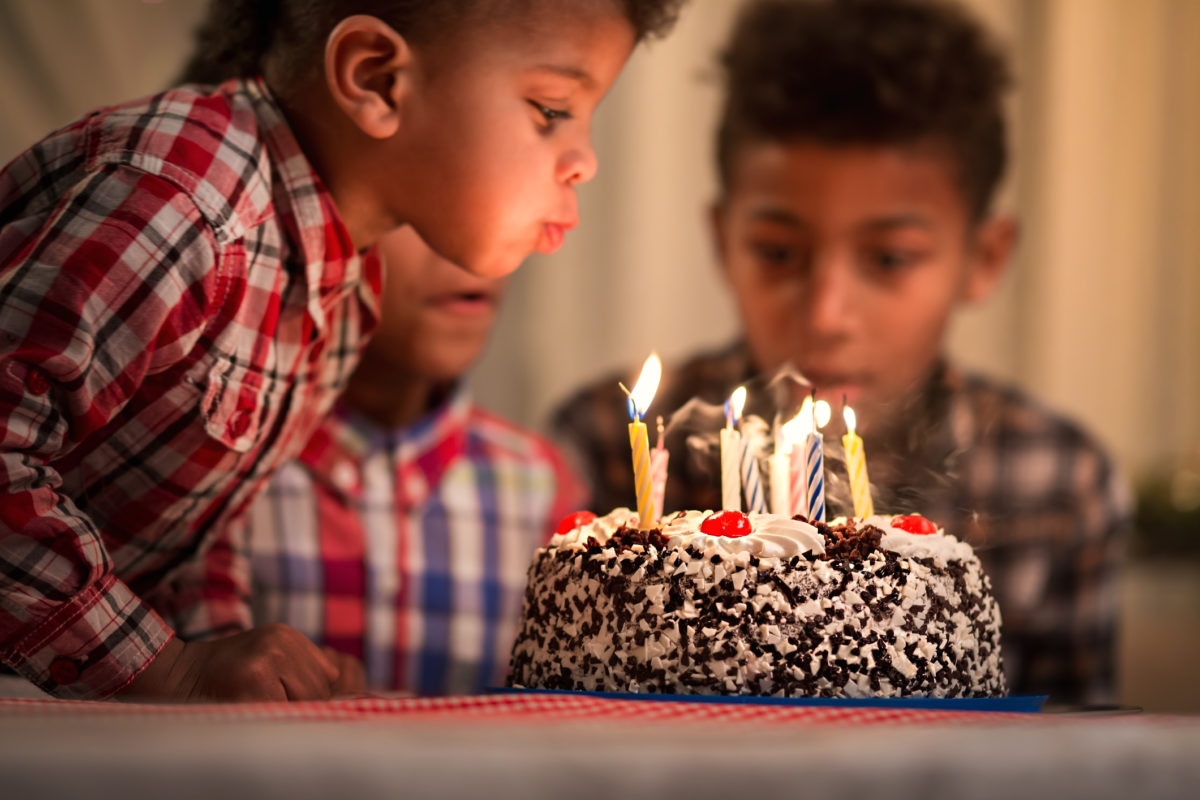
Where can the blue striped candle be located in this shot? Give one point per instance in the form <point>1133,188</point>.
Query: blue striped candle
<point>756,499</point>
<point>814,470</point>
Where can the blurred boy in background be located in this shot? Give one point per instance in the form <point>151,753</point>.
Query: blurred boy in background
<point>859,151</point>
<point>402,534</point>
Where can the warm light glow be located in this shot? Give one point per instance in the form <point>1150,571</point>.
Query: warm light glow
<point>737,401</point>
<point>647,384</point>
<point>851,420</point>
<point>799,426</point>
<point>823,413</point>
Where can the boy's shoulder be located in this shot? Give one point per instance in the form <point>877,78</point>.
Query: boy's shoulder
<point>1005,431</point>
<point>208,143</point>
<point>1002,409</point>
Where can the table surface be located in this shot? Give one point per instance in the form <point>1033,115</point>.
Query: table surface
<point>578,746</point>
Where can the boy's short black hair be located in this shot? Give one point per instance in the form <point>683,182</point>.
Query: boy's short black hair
<point>236,36</point>
<point>868,72</point>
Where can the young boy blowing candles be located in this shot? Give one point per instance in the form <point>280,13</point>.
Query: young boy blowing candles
<point>859,149</point>
<point>402,534</point>
<point>182,297</point>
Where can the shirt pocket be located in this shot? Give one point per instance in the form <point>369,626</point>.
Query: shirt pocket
<point>241,404</point>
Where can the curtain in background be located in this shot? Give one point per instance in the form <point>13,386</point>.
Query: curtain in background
<point>1097,316</point>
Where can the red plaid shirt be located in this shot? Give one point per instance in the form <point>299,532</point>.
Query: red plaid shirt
<point>180,304</point>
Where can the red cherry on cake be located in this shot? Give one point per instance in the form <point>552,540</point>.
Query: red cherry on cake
<point>914,523</point>
<point>574,520</point>
<point>726,523</point>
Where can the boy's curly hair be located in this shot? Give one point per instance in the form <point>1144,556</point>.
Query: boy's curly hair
<point>236,36</point>
<point>868,72</point>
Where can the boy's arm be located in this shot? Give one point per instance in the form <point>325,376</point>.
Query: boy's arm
<point>209,596</point>
<point>114,285</point>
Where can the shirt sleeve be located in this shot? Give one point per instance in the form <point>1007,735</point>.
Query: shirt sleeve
<point>209,596</point>
<point>113,285</point>
<point>591,430</point>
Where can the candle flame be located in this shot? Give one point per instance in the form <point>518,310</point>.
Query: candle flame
<point>647,384</point>
<point>737,401</point>
<point>851,420</point>
<point>823,413</point>
<point>798,427</point>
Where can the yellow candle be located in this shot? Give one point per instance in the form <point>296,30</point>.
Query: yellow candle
<point>856,466</point>
<point>639,442</point>
<point>640,445</point>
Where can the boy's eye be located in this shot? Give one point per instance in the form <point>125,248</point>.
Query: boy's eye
<point>550,116</point>
<point>886,260</point>
<point>775,256</point>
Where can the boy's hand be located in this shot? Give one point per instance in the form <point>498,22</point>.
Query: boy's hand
<point>351,677</point>
<point>273,662</point>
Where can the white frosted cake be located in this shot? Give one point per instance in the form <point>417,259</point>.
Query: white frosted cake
<point>759,605</point>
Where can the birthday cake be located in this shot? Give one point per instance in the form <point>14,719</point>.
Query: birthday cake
<point>757,604</point>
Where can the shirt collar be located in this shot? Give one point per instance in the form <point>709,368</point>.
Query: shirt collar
<point>325,254</point>
<point>419,453</point>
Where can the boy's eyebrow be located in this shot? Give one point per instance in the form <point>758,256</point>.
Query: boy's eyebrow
<point>778,215</point>
<point>572,73</point>
<point>898,221</point>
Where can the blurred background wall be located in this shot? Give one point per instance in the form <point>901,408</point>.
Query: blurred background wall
<point>1098,315</point>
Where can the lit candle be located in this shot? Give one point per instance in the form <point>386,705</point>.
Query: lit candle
<point>795,434</point>
<point>814,470</point>
<point>731,453</point>
<point>780,476</point>
<point>639,400</point>
<point>856,466</point>
<point>756,498</point>
<point>658,472</point>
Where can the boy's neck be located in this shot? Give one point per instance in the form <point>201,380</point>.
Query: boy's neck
<point>337,150</point>
<point>394,404</point>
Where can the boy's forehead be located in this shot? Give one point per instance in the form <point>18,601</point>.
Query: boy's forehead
<point>788,179</point>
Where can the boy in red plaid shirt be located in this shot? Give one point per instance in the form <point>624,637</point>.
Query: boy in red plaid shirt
<point>183,295</point>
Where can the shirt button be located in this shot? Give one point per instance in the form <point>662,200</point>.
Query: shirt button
<point>345,476</point>
<point>64,671</point>
<point>239,423</point>
<point>37,382</point>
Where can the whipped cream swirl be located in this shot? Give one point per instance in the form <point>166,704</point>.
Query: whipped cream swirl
<point>770,535</point>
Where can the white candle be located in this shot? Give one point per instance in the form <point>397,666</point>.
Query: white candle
<point>781,480</point>
<point>731,453</point>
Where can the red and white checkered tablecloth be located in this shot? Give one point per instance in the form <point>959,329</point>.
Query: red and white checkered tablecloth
<point>532,708</point>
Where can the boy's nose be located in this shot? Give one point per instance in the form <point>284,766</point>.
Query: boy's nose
<point>578,165</point>
<point>830,298</point>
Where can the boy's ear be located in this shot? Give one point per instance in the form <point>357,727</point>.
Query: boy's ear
<point>366,66</point>
<point>995,239</point>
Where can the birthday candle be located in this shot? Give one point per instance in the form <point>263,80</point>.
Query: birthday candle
<point>756,500</point>
<point>814,471</point>
<point>731,453</point>
<point>780,476</point>
<point>639,399</point>
<point>795,434</point>
<point>659,457</point>
<point>856,467</point>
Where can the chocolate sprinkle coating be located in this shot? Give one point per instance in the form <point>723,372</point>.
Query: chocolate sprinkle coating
<point>638,614</point>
